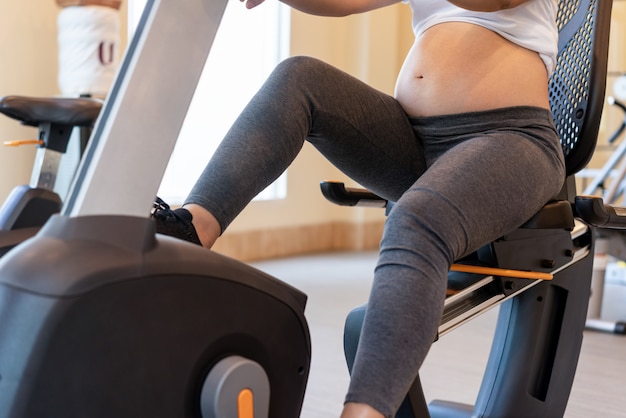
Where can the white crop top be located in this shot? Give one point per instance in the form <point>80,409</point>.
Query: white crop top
<point>531,25</point>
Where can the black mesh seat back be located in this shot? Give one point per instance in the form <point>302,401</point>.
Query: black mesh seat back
<point>578,84</point>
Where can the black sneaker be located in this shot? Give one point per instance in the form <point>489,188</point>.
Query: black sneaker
<point>175,223</point>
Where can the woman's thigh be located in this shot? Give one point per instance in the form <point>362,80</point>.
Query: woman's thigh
<point>362,131</point>
<point>482,189</point>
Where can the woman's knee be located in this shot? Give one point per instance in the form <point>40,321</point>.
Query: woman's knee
<point>299,65</point>
<point>307,74</point>
<point>299,69</point>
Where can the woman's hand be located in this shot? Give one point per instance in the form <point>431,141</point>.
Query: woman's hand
<point>487,5</point>
<point>329,7</point>
<point>252,3</point>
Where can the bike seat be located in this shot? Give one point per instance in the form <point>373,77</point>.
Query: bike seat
<point>34,111</point>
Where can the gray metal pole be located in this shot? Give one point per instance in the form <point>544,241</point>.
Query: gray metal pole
<point>141,119</point>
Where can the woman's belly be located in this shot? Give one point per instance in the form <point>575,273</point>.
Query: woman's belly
<point>459,67</point>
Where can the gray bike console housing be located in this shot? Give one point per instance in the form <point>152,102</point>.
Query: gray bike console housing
<point>103,319</point>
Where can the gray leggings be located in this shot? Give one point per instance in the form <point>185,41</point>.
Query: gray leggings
<point>460,181</point>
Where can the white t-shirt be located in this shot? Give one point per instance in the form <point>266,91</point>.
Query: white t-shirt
<point>531,25</point>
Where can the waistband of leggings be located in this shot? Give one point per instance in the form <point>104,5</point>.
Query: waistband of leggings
<point>484,120</point>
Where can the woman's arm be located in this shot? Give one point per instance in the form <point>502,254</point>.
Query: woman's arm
<point>330,7</point>
<point>487,5</point>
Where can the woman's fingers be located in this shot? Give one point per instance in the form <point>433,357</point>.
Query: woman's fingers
<point>252,3</point>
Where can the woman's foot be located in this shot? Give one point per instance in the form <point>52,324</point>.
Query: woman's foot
<point>359,410</point>
<point>207,227</point>
<point>191,223</point>
<point>176,223</point>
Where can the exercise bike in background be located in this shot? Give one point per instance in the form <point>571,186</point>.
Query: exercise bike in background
<point>88,42</point>
<point>610,182</point>
<point>28,207</point>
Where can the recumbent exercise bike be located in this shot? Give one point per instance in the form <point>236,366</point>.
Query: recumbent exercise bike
<point>115,321</point>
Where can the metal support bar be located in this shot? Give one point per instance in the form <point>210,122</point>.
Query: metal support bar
<point>141,119</point>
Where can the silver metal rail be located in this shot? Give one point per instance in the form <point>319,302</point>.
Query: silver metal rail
<point>487,293</point>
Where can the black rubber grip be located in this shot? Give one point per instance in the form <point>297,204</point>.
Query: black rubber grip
<point>337,193</point>
<point>595,212</point>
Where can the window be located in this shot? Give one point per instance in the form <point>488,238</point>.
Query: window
<point>248,45</point>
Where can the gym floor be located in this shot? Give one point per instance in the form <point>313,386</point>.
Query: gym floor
<point>335,283</point>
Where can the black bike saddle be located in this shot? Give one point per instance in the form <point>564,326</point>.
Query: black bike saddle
<point>34,111</point>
